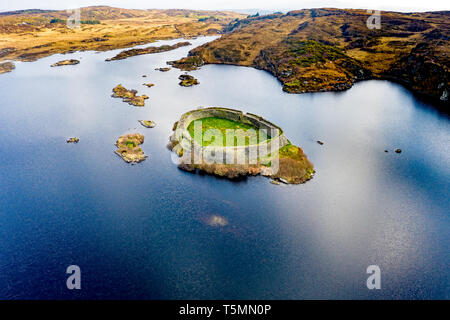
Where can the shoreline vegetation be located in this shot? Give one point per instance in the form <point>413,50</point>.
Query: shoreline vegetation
<point>316,50</point>
<point>149,50</point>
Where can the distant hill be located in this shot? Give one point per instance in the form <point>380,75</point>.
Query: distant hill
<point>28,11</point>
<point>329,49</point>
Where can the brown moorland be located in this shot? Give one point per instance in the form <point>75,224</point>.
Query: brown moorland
<point>329,49</point>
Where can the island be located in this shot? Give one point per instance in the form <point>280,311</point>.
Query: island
<point>128,148</point>
<point>148,123</point>
<point>163,69</point>
<point>187,80</point>
<point>136,52</point>
<point>129,96</point>
<point>69,62</point>
<point>149,85</point>
<point>6,67</point>
<point>232,144</point>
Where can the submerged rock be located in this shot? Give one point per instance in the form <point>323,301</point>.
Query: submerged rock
<point>128,148</point>
<point>129,96</point>
<point>66,63</point>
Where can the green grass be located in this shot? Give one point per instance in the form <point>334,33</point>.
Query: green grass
<point>243,136</point>
<point>130,144</point>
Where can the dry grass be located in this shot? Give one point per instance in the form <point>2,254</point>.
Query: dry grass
<point>28,37</point>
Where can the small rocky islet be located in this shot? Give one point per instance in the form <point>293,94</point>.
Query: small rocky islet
<point>163,69</point>
<point>129,96</point>
<point>187,80</point>
<point>148,123</point>
<point>65,63</point>
<point>128,148</point>
<point>73,140</point>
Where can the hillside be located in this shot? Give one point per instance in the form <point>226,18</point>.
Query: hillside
<point>329,49</point>
<point>28,35</point>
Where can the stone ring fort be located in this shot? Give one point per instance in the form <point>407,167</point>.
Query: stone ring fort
<point>261,149</point>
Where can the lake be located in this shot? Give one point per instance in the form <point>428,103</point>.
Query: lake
<point>140,231</point>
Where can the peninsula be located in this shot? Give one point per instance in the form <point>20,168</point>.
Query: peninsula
<point>149,50</point>
<point>315,50</point>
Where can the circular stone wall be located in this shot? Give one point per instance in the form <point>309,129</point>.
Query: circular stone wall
<point>183,142</point>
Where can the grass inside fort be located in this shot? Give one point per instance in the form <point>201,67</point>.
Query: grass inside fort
<point>224,132</point>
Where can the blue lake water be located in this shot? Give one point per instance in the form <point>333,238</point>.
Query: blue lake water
<point>139,231</point>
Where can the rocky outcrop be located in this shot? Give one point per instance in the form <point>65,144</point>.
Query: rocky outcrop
<point>129,96</point>
<point>128,148</point>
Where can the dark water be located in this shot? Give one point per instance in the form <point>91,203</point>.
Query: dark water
<point>139,231</point>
